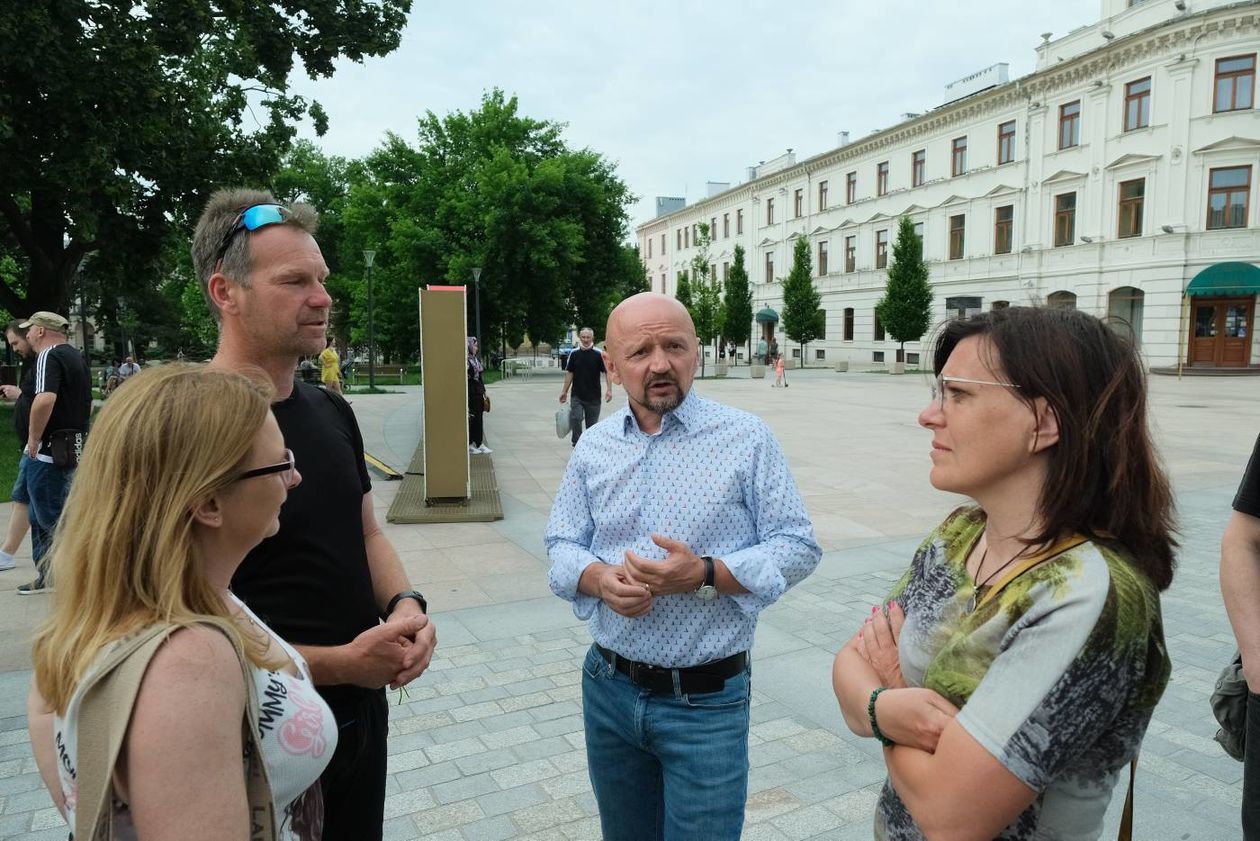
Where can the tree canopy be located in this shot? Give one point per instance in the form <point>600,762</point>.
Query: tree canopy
<point>737,302</point>
<point>802,318</point>
<point>118,119</point>
<point>906,307</point>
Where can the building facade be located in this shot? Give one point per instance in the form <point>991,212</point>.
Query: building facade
<point>1120,177</point>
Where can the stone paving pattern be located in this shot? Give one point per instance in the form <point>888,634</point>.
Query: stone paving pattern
<point>488,744</point>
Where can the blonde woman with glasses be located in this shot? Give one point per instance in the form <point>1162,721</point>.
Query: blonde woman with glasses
<point>1014,668</point>
<point>192,469</point>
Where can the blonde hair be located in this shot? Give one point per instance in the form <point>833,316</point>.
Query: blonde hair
<point>124,555</point>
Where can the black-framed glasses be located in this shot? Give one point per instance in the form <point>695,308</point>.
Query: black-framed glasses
<point>285,468</point>
<point>251,219</point>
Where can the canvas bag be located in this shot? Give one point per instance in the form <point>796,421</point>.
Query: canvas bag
<point>564,422</point>
<point>105,711</point>
<point>1229,706</point>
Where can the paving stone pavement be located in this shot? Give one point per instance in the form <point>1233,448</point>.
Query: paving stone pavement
<point>488,744</point>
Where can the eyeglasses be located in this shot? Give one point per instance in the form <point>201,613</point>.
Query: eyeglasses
<point>938,387</point>
<point>285,468</point>
<point>251,219</point>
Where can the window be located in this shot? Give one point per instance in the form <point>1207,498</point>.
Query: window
<point>1137,104</point>
<point>848,324</point>
<point>769,267</point>
<point>649,247</point>
<point>881,179</point>
<point>1070,125</point>
<point>1061,300</point>
<point>679,232</point>
<point>879,327</point>
<point>687,237</point>
<point>850,188</point>
<point>918,232</point>
<point>822,195</point>
<point>957,236</point>
<point>1132,197</point>
<point>822,258</point>
<point>662,284</point>
<point>662,245</point>
<point>918,168</point>
<point>822,326</point>
<point>958,161</point>
<point>713,228</point>
<point>1235,87</point>
<point>726,225</point>
<point>881,249</point>
<point>877,356</point>
<point>963,306</point>
<point>769,211</point>
<point>726,272</point>
<point>798,203</point>
<point>1006,143</point>
<point>1228,190</point>
<point>1003,222</point>
<point>1064,219</point>
<point>739,222</point>
<point>820,353</point>
<point>850,254</point>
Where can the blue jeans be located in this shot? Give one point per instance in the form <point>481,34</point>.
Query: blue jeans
<point>46,487</point>
<point>665,767</point>
<point>19,486</point>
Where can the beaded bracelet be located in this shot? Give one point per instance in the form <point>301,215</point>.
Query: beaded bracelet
<point>870,712</point>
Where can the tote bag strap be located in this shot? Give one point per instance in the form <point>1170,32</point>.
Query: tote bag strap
<point>105,713</point>
<point>1126,817</point>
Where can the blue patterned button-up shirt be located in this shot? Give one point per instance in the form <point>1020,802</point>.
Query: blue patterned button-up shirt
<point>715,478</point>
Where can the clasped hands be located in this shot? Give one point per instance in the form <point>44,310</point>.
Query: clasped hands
<point>396,652</point>
<point>629,588</point>
<point>910,716</point>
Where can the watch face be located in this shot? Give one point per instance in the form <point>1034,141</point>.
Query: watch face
<point>707,593</point>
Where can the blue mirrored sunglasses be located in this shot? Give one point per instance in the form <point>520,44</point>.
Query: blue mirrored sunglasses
<point>251,219</point>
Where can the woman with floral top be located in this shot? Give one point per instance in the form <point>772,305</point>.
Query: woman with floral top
<point>1014,669</point>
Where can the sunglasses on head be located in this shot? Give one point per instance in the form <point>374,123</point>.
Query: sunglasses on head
<point>251,219</point>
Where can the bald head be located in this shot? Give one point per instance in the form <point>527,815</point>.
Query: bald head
<point>653,354</point>
<point>646,308</point>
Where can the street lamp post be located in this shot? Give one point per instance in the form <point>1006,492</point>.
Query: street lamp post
<point>369,257</point>
<point>477,299</point>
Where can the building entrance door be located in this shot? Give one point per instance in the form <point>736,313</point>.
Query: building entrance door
<point>1220,332</point>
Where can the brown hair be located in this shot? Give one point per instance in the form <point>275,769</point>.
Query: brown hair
<point>216,221</point>
<point>1104,479</point>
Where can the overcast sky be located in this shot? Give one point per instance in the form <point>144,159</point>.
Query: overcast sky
<point>682,93</point>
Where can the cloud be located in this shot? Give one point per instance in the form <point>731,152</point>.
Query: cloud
<point>682,93</point>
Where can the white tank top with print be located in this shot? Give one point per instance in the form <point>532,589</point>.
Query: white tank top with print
<point>298,735</point>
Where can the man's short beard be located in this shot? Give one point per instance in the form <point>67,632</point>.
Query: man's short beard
<point>662,405</point>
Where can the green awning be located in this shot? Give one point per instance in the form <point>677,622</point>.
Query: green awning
<point>1226,279</point>
<point>766,316</point>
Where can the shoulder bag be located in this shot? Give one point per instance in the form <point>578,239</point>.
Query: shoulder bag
<point>105,712</point>
<point>1229,706</point>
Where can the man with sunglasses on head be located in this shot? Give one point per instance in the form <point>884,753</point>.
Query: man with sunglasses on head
<point>330,581</point>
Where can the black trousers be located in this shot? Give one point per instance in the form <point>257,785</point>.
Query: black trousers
<point>476,426</point>
<point>582,411</point>
<point>354,781</point>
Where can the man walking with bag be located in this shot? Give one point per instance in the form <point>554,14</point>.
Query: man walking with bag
<point>581,373</point>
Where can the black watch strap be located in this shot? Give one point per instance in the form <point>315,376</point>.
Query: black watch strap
<point>406,594</point>
<point>708,570</point>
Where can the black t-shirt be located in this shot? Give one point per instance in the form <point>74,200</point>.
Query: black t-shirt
<point>22,406</point>
<point>310,582</point>
<point>585,366</point>
<point>1248,499</point>
<point>61,370</point>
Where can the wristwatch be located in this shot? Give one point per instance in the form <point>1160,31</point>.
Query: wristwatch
<point>706,591</point>
<point>406,594</point>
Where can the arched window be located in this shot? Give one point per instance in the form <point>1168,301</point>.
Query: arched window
<point>1124,311</point>
<point>1062,300</point>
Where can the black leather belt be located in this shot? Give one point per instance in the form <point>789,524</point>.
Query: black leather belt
<point>695,680</point>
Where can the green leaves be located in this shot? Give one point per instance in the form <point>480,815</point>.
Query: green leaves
<point>737,303</point>
<point>906,307</point>
<point>801,300</point>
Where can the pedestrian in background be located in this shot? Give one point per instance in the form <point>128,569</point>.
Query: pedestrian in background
<point>581,374</point>
<point>329,368</point>
<point>19,522</point>
<point>477,401</point>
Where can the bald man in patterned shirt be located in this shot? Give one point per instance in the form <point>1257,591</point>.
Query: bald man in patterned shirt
<point>677,522</point>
